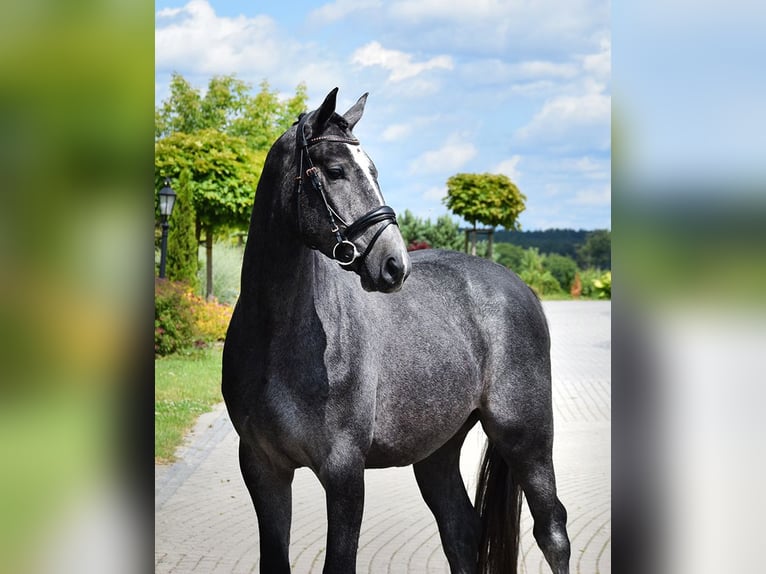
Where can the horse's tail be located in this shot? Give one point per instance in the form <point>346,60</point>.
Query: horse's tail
<point>498,501</point>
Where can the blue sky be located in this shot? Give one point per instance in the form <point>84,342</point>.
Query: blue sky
<point>689,92</point>
<point>520,88</point>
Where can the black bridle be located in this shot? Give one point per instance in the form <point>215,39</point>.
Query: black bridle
<point>344,251</point>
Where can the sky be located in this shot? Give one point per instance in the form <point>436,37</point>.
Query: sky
<point>689,93</point>
<point>520,88</point>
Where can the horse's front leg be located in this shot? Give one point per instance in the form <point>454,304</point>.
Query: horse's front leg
<point>342,476</point>
<point>271,491</point>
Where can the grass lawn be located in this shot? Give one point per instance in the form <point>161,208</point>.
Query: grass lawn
<point>185,386</point>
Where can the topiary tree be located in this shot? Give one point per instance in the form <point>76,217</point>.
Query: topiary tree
<point>224,174</point>
<point>490,199</point>
<point>183,247</point>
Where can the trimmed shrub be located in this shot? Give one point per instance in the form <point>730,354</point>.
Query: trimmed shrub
<point>183,261</point>
<point>541,283</point>
<point>563,268</point>
<point>603,286</point>
<point>183,320</point>
<point>173,317</point>
<point>532,273</point>
<point>417,245</point>
<point>211,318</point>
<point>588,277</point>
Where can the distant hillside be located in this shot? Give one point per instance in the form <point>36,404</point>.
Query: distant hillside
<point>563,241</point>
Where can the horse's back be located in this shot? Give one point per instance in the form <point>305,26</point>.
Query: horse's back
<point>476,293</point>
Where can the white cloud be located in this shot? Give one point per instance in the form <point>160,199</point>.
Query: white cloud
<point>600,63</point>
<point>482,26</point>
<point>538,68</point>
<point>580,111</point>
<point>396,132</point>
<point>531,76</point>
<point>509,167</point>
<point>449,158</point>
<point>415,124</point>
<point>593,169</point>
<point>340,9</point>
<point>198,43</point>
<point>196,39</point>
<point>593,196</point>
<point>566,117</point>
<point>551,190</point>
<point>533,89</point>
<point>399,64</point>
<point>169,12</point>
<point>435,193</point>
<point>454,9</point>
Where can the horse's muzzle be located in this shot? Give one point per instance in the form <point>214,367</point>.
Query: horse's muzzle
<point>393,273</point>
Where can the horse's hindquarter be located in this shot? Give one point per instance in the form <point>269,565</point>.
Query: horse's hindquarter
<point>449,335</point>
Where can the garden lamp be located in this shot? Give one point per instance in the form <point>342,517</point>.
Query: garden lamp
<point>167,201</point>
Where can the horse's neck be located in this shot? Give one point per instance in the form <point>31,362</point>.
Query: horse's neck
<point>283,281</point>
<point>277,270</point>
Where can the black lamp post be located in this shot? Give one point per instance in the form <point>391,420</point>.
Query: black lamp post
<point>167,201</point>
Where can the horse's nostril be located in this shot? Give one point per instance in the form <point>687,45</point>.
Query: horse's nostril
<point>393,270</point>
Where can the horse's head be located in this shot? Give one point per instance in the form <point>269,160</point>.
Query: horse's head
<point>341,211</point>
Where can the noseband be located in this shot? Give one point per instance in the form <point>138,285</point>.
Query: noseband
<point>344,251</point>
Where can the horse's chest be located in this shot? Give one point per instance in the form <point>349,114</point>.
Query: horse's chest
<point>282,425</point>
<point>300,412</point>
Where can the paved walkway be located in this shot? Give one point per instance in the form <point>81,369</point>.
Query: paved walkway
<point>205,522</point>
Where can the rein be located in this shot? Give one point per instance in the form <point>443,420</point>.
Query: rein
<point>344,251</point>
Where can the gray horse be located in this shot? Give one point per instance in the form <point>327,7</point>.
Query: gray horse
<point>320,373</point>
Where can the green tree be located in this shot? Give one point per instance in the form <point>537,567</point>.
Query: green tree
<point>412,227</point>
<point>444,234</point>
<point>490,199</point>
<point>183,246</point>
<point>563,268</point>
<point>224,174</point>
<point>597,250</point>
<point>222,138</point>
<point>228,106</point>
<point>509,255</point>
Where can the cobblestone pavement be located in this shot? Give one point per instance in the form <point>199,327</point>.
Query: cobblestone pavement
<point>205,523</point>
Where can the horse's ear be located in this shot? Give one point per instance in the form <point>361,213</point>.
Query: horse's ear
<point>325,112</point>
<point>354,113</point>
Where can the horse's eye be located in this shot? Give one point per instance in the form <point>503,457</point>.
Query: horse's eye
<point>335,172</point>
